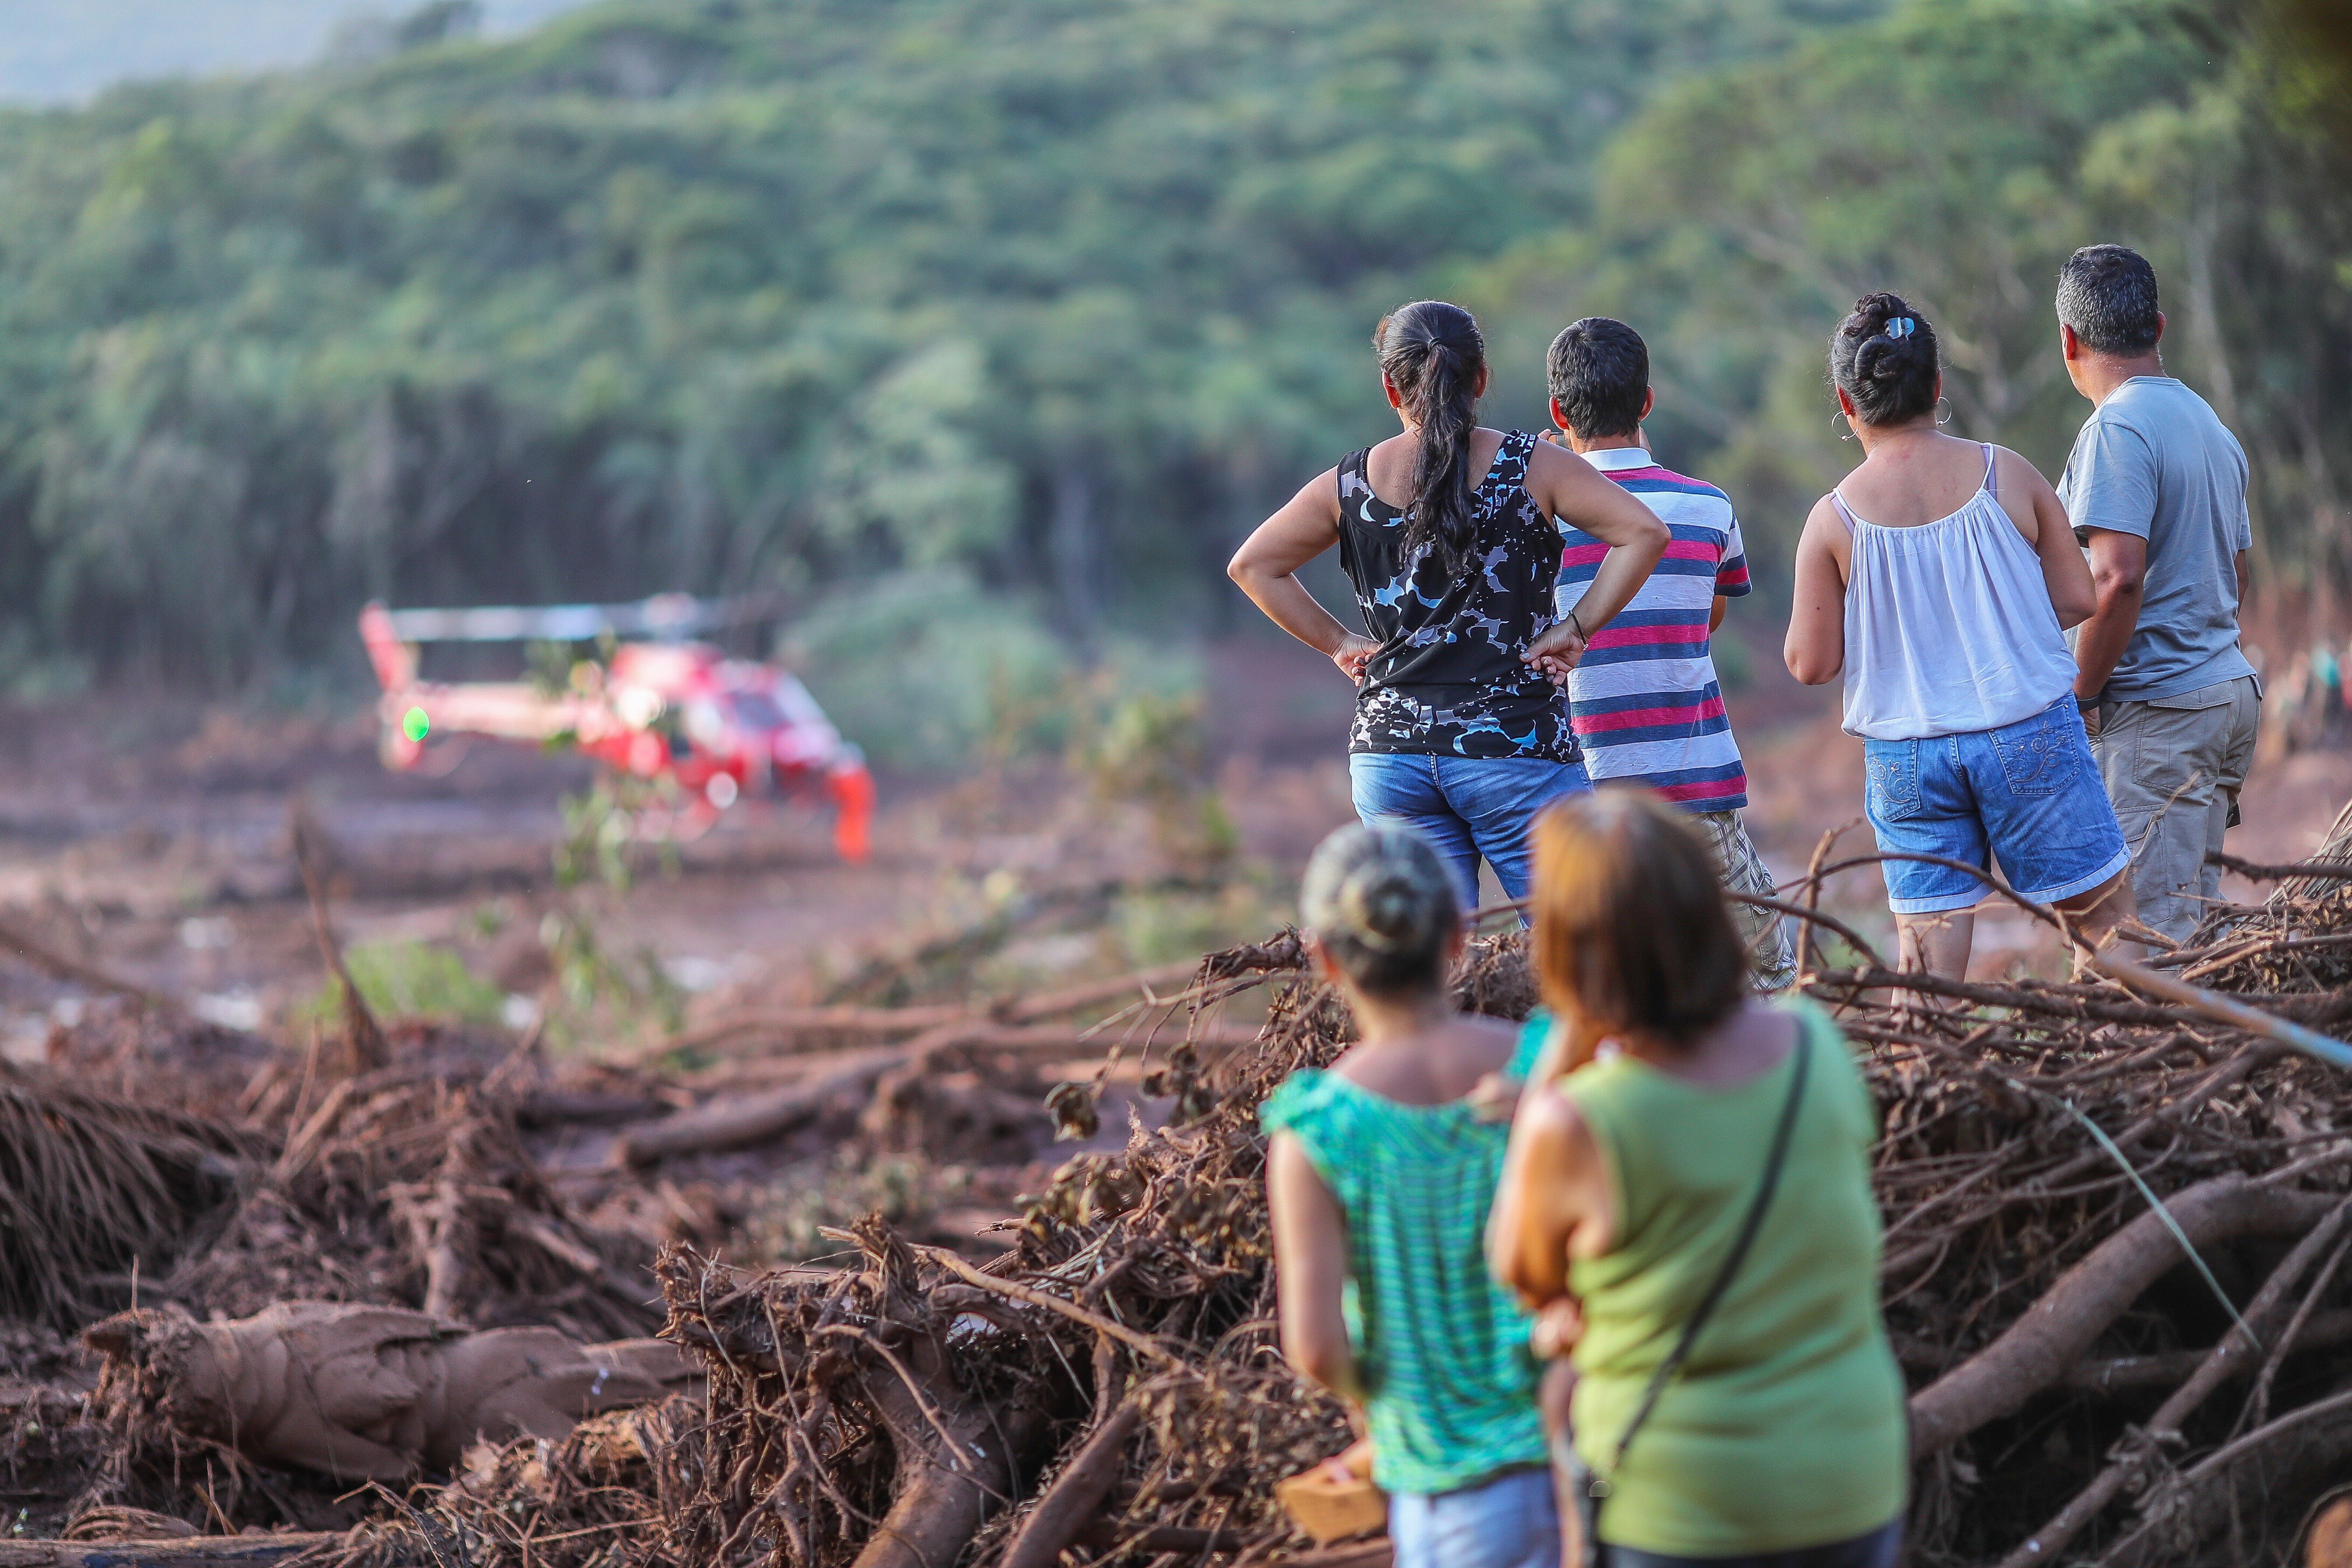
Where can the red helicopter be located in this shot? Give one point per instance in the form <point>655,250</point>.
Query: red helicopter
<point>722,728</point>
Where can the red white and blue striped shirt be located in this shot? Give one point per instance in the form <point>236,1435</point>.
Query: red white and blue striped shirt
<point>1644,701</point>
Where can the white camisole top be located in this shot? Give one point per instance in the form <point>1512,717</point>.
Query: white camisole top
<point>1948,626</point>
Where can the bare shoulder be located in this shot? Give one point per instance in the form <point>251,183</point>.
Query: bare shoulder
<point>1550,1123</point>
<point>1294,1186</point>
<point>2021,492</point>
<point>1543,455</point>
<point>1491,1042</point>
<point>1321,492</point>
<point>2013,469</point>
<point>1548,463</point>
<point>1824,530</point>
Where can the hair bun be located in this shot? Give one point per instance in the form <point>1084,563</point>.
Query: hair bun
<point>1884,356</point>
<point>1388,908</point>
<point>1383,904</point>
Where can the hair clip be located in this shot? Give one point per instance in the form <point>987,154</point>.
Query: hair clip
<point>1901,327</point>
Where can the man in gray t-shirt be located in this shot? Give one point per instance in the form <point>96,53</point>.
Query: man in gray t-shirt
<point>2157,490</point>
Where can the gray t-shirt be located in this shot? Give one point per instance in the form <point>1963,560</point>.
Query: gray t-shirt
<point>2153,460</point>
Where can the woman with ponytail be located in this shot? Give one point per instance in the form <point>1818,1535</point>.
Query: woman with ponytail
<point>1451,535</point>
<point>1379,1177</point>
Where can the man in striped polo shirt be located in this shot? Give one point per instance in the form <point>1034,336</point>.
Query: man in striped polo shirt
<point>1644,701</point>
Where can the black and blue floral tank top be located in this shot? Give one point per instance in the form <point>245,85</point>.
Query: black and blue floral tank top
<point>1448,678</point>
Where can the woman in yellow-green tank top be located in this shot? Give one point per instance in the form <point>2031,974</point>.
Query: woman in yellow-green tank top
<point>1780,1442</point>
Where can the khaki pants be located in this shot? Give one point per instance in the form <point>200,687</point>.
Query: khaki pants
<point>1771,961</point>
<point>2173,767</point>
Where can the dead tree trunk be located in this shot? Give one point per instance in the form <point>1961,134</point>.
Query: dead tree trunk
<point>958,1459</point>
<point>2039,1348</point>
<point>1076,1497</point>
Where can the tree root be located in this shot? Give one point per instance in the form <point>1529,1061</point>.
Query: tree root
<point>1070,1503</point>
<point>2139,1373</point>
<point>2041,1347</point>
<point>2196,1505</point>
<point>2235,1353</point>
<point>958,1459</point>
<point>941,1506</point>
<point>737,1121</point>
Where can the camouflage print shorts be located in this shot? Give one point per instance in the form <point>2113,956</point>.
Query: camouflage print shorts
<point>1771,961</point>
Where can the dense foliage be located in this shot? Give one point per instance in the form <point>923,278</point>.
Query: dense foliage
<point>1054,295</point>
<point>1957,152</point>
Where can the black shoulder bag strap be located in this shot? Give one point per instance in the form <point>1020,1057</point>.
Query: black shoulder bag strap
<point>1593,1487</point>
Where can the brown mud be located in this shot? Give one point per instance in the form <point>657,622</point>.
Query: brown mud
<point>944,1168</point>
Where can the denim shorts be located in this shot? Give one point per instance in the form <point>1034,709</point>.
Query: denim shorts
<point>2027,794</point>
<point>1511,1521</point>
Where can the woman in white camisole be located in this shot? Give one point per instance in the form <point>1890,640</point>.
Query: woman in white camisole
<point>1938,580</point>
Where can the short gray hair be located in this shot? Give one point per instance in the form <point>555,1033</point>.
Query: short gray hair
<point>1381,901</point>
<point>2107,294</point>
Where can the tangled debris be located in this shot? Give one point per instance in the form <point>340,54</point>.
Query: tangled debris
<point>1118,1370</point>
<point>405,1192</point>
<point>358,1393</point>
<point>1110,1385</point>
<point>597,1499</point>
<point>92,1186</point>
<point>405,1186</point>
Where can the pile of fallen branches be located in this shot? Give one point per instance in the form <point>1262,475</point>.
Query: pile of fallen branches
<point>2116,1225</point>
<point>401,1187</point>
<point>2063,1357</point>
<point>803,1060</point>
<point>2084,1385</point>
<point>595,1499</point>
<point>405,1186</point>
<point>1115,1377</point>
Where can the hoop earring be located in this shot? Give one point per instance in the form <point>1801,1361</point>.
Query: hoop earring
<point>1838,419</point>
<point>1944,418</point>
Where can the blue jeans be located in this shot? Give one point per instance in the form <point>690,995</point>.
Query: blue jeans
<point>1510,1522</point>
<point>2028,793</point>
<point>1465,807</point>
<point>1882,1548</point>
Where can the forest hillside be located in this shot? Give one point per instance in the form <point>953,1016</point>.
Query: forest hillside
<point>1011,315</point>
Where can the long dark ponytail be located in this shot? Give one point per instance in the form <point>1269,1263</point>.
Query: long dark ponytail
<point>1433,353</point>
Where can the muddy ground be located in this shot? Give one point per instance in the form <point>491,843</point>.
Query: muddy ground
<point>546,1028</point>
<point>150,839</point>
<point>151,836</point>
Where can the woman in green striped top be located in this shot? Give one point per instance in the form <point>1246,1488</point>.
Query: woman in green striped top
<point>1380,1174</point>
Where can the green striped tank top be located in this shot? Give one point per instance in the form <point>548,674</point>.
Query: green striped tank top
<point>1442,1349</point>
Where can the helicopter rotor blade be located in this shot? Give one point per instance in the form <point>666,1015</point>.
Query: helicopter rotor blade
<point>664,615</point>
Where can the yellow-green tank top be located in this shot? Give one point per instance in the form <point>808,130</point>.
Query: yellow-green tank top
<point>1786,1428</point>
